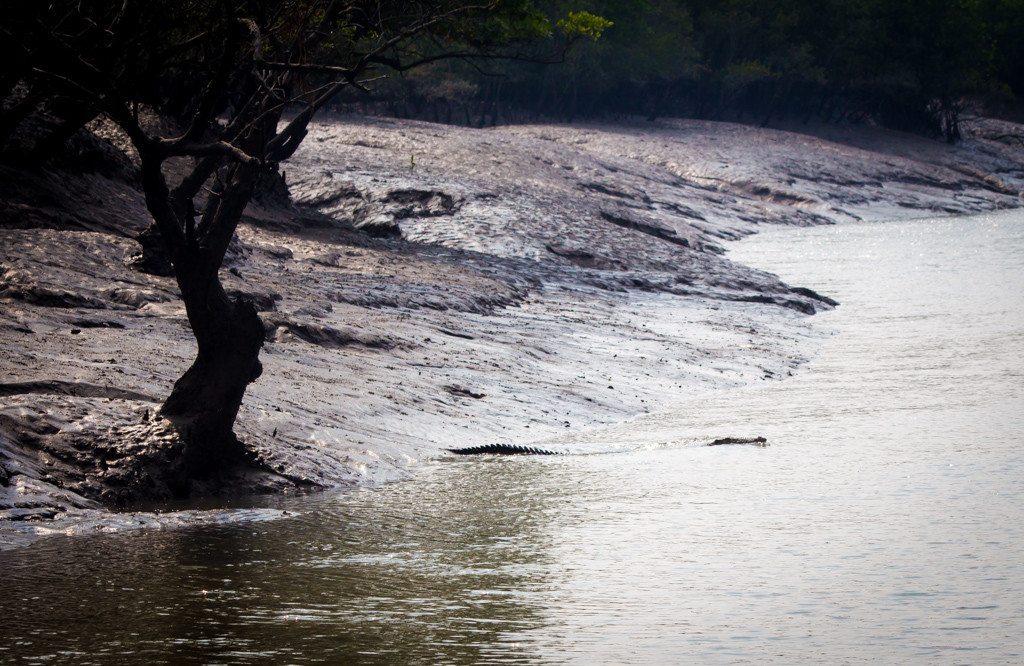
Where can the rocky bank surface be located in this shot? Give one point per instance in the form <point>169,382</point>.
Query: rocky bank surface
<point>432,287</point>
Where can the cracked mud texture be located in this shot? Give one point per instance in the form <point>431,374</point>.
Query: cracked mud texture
<point>433,287</point>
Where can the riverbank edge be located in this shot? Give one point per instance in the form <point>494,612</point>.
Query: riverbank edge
<point>504,270</point>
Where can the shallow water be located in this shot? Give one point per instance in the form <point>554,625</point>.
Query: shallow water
<point>883,522</point>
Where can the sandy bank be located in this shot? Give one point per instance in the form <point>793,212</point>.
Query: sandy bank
<point>435,287</point>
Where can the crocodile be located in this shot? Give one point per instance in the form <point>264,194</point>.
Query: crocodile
<point>756,441</point>
<point>505,450</point>
<point>520,450</point>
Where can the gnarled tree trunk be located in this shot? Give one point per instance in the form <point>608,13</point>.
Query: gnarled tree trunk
<point>204,402</point>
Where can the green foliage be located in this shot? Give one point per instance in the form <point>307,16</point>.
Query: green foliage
<point>583,24</point>
<point>911,64</point>
<point>741,74</point>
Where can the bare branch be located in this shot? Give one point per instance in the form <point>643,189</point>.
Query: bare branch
<point>170,148</point>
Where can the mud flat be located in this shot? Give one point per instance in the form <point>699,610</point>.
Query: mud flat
<point>431,287</point>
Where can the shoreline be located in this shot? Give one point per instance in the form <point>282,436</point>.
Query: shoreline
<point>601,267</point>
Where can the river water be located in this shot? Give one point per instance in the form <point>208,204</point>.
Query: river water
<point>884,522</point>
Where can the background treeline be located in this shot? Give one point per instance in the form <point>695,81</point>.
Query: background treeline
<point>914,65</point>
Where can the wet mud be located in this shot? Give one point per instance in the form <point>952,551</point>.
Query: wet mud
<point>430,288</point>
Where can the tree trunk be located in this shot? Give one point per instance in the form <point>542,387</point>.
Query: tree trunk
<point>229,334</point>
<point>205,400</point>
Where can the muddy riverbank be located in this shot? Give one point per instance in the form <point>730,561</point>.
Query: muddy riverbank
<point>431,287</point>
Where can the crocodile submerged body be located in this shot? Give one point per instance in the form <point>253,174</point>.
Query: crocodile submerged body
<point>755,441</point>
<point>519,450</point>
<point>505,450</point>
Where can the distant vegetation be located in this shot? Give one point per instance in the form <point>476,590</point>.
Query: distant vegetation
<point>914,65</point>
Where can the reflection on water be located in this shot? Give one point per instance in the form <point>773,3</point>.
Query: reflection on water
<point>424,571</point>
<point>884,522</point>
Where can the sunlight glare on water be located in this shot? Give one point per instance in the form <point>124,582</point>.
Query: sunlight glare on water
<point>883,522</point>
